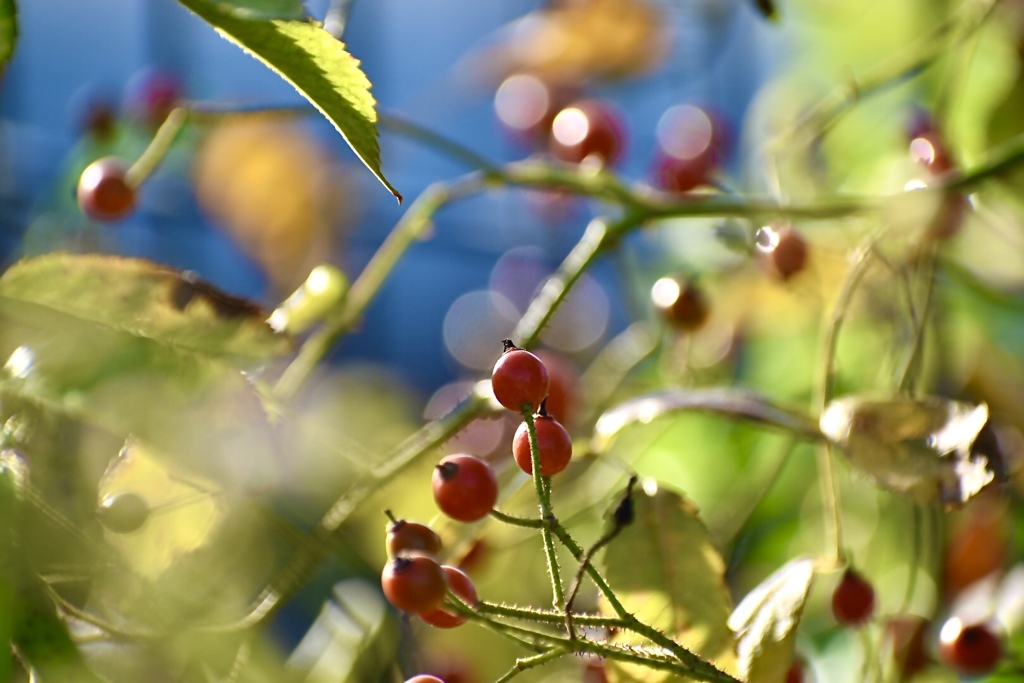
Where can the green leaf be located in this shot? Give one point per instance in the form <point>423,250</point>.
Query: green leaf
<point>146,300</point>
<point>766,620</point>
<point>263,9</point>
<point>924,448</point>
<point>666,570</point>
<point>738,404</point>
<point>316,64</point>
<point>8,30</point>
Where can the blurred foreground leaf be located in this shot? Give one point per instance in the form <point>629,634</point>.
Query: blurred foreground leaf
<point>919,447</point>
<point>739,404</point>
<point>666,570</point>
<point>766,620</point>
<point>8,31</point>
<point>145,299</point>
<point>316,64</point>
<point>264,9</point>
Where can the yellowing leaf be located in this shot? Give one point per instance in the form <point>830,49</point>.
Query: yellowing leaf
<point>919,447</point>
<point>316,64</point>
<point>666,570</point>
<point>766,620</point>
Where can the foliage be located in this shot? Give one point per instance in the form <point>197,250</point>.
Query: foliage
<point>887,355</point>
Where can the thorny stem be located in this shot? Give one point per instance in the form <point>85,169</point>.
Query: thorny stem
<point>522,665</point>
<point>544,616</point>
<point>543,486</point>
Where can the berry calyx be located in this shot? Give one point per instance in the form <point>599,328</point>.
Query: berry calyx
<point>103,190</point>
<point>782,251</point>
<point>414,583</point>
<point>464,487</point>
<point>123,512</point>
<point>973,650</point>
<point>680,302</point>
<point>553,442</point>
<point>519,378</point>
<point>461,585</point>
<point>587,130</point>
<point>691,145</point>
<point>406,537</point>
<point>853,601</point>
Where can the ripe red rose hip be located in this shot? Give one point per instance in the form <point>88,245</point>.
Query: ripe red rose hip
<point>411,537</point>
<point>587,129</point>
<point>972,650</point>
<point>553,442</point>
<point>519,378</point>
<point>464,487</point>
<point>853,601</point>
<point>680,302</point>
<point>691,145</point>
<point>103,191</point>
<point>424,678</point>
<point>414,584</point>
<point>461,585</point>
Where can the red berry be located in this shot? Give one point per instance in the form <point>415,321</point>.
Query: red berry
<point>587,129</point>
<point>461,585</point>
<point>526,106</point>
<point>853,601</point>
<point>972,650</point>
<point>796,672</point>
<point>782,251</point>
<point>424,678</point>
<point>519,378</point>
<point>553,442</point>
<point>103,191</point>
<point>680,302</point>
<point>465,487</point>
<point>414,583</point>
<point>691,144</point>
<point>411,537</point>
<point>151,95</point>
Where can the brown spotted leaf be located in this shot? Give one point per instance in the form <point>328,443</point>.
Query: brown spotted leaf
<point>148,300</point>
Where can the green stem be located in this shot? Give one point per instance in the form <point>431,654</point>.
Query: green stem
<point>522,665</point>
<point>158,147</point>
<point>410,228</point>
<point>544,616</point>
<point>516,521</point>
<point>547,517</point>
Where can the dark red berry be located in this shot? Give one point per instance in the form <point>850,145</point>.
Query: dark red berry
<point>151,95</point>
<point>588,129</point>
<point>103,190</point>
<point>782,251</point>
<point>691,145</point>
<point>553,442</point>
<point>424,678</point>
<point>461,585</point>
<point>526,106</point>
<point>853,601</point>
<point>680,302</point>
<point>411,537</point>
<point>123,512</point>
<point>972,650</point>
<point>464,487</point>
<point>519,379</point>
<point>414,583</point>
<point>795,674</point>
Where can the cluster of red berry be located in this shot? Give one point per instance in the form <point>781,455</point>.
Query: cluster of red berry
<point>972,650</point>
<point>465,489</point>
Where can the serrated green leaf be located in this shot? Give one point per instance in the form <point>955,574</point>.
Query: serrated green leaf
<point>145,299</point>
<point>740,404</point>
<point>316,64</point>
<point>8,31</point>
<point>666,570</point>
<point>263,9</point>
<point>921,447</point>
<point>766,620</point>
